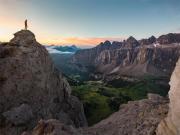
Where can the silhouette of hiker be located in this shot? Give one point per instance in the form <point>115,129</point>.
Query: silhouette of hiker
<point>25,23</point>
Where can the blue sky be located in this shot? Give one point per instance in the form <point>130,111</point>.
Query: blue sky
<point>83,21</point>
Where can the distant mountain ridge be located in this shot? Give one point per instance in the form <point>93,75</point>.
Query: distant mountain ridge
<point>152,56</point>
<point>62,49</point>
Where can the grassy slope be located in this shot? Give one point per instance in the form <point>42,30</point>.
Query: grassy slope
<point>101,100</point>
<point>95,105</point>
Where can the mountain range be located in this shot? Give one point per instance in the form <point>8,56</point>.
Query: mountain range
<point>133,58</point>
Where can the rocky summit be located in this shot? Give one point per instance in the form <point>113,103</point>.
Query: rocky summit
<point>32,89</point>
<point>154,57</point>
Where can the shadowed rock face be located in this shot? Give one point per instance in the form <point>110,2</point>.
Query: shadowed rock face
<point>171,125</point>
<point>131,58</point>
<point>31,88</point>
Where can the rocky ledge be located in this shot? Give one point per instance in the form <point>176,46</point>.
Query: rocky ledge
<point>32,89</point>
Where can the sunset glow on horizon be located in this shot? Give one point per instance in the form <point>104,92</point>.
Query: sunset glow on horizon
<point>87,23</point>
<point>79,41</point>
<point>10,25</point>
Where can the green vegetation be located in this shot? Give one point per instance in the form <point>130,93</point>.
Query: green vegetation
<point>100,99</point>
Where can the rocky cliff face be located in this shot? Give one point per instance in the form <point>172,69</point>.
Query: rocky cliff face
<point>171,125</point>
<point>31,88</point>
<point>132,57</point>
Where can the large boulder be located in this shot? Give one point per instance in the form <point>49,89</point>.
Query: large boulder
<point>29,79</point>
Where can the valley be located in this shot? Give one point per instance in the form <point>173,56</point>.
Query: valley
<point>101,99</point>
<point>111,74</point>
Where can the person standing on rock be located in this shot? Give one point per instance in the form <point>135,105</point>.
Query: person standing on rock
<point>25,23</point>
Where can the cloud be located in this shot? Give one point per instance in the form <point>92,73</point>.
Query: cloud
<point>51,49</point>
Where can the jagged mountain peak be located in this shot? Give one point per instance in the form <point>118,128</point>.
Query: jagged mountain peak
<point>131,42</point>
<point>107,42</point>
<point>152,39</point>
<point>131,39</point>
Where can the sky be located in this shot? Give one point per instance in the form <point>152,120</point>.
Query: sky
<point>89,22</point>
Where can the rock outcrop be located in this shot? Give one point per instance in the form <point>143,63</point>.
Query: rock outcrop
<point>171,124</point>
<point>32,89</point>
<point>131,57</point>
<point>135,118</point>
